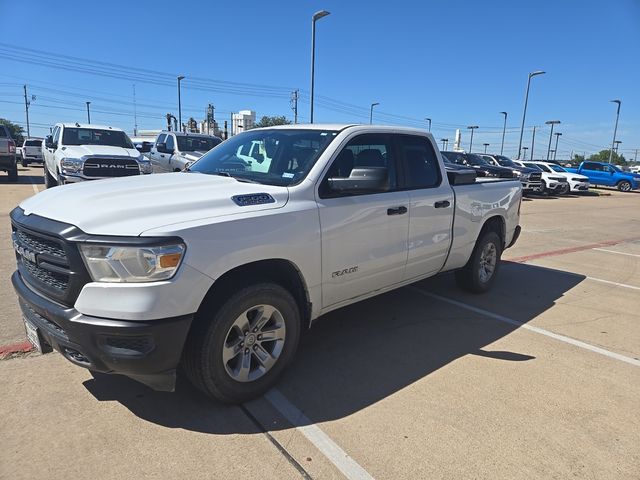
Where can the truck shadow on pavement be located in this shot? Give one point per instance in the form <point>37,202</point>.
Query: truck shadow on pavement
<point>362,354</point>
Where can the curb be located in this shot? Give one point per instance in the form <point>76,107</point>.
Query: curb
<point>15,348</point>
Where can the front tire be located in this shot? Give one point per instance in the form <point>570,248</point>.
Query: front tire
<point>478,275</point>
<point>237,351</point>
<point>624,186</point>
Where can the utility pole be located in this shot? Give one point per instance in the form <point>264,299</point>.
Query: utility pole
<point>294,105</point>
<point>429,120</point>
<point>135,113</point>
<point>445,142</point>
<point>231,134</point>
<point>526,101</point>
<point>504,130</point>
<point>26,109</point>
<point>555,152</point>
<point>552,123</point>
<point>533,141</point>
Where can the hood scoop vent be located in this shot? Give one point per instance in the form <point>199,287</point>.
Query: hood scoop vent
<point>253,199</point>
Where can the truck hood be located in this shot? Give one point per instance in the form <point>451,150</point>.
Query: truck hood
<point>78,151</point>
<point>132,205</point>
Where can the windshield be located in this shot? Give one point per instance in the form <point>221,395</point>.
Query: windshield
<point>272,156</point>
<point>192,144</point>
<point>505,161</point>
<point>533,165</point>
<point>557,168</point>
<point>477,160</point>
<point>89,136</point>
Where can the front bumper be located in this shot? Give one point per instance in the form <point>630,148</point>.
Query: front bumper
<point>147,351</point>
<point>532,186</point>
<point>579,186</point>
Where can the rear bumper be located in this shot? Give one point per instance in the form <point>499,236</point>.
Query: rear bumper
<point>147,351</point>
<point>7,161</point>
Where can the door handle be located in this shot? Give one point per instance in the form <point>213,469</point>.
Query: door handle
<point>397,211</point>
<point>162,156</point>
<point>442,204</point>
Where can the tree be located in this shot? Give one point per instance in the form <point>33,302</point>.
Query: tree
<point>272,121</point>
<point>16,131</point>
<point>603,156</point>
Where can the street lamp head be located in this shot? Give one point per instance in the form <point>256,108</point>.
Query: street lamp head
<point>552,122</point>
<point>320,14</point>
<point>180,77</point>
<point>537,72</point>
<point>616,101</point>
<point>374,104</point>
<point>557,134</point>
<point>473,126</point>
<point>504,113</point>
<point>428,119</point>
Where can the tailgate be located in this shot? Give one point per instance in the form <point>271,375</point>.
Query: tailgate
<point>4,146</point>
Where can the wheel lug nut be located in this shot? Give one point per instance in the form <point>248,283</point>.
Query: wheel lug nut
<point>255,347</point>
<point>241,344</point>
<point>259,337</point>
<point>246,350</point>
<point>245,333</point>
<point>255,330</point>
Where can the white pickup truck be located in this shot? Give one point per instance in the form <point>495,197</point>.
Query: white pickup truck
<point>75,153</point>
<point>219,268</point>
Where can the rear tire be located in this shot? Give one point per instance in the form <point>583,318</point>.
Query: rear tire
<point>13,174</point>
<point>480,272</point>
<point>227,355</point>
<point>24,162</point>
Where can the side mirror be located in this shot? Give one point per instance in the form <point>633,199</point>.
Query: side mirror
<point>162,148</point>
<point>48,142</point>
<point>362,180</point>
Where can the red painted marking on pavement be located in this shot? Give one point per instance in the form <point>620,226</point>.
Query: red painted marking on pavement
<point>22,347</point>
<point>564,251</point>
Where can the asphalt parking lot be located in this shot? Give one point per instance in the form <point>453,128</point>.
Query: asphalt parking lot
<point>540,378</point>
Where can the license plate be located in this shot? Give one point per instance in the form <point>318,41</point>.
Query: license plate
<point>32,335</point>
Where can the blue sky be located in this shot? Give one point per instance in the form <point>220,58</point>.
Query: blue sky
<point>457,62</point>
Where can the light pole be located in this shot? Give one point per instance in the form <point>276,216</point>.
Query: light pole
<point>552,123</point>
<point>445,142</point>
<point>526,100</point>
<point>555,152</point>
<point>618,142</point>
<point>316,16</point>
<point>525,152</point>
<point>504,129</point>
<point>180,78</point>
<point>615,130</point>
<point>472,128</point>
<point>371,112</point>
<point>485,146</point>
<point>429,120</point>
<point>88,113</point>
<point>533,141</point>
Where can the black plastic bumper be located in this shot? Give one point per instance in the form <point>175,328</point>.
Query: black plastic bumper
<point>516,235</point>
<point>147,351</point>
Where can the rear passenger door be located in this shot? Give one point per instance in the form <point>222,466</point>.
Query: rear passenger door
<point>364,236</point>
<point>431,206</point>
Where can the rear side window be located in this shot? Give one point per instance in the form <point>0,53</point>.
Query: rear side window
<point>593,166</point>
<point>420,162</point>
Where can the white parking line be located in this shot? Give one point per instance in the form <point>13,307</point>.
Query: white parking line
<point>623,285</point>
<point>33,185</point>
<point>342,461</point>
<point>541,331</point>
<point>619,253</point>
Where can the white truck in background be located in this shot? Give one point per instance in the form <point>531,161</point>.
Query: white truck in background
<point>75,153</point>
<point>220,267</point>
<point>31,151</point>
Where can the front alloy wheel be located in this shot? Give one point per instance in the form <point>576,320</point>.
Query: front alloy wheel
<point>624,186</point>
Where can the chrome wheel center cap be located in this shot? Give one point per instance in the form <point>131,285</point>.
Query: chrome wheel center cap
<point>250,340</point>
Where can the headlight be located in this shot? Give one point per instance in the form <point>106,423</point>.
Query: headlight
<point>122,264</point>
<point>145,165</point>
<point>71,165</point>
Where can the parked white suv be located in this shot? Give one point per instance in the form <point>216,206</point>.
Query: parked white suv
<point>75,152</point>
<point>551,183</point>
<point>577,182</point>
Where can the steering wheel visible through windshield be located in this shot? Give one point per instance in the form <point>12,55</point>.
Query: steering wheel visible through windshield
<point>269,156</point>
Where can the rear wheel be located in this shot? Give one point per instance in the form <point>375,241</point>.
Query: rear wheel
<point>565,189</point>
<point>479,273</point>
<point>13,174</point>
<point>624,186</point>
<point>24,162</point>
<point>237,351</point>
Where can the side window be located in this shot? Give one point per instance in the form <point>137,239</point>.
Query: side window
<point>56,134</point>
<point>592,166</point>
<point>368,150</point>
<point>170,143</point>
<point>420,162</point>
<point>161,138</point>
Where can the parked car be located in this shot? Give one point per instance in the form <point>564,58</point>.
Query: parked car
<point>174,150</point>
<point>480,165</point>
<point>531,178</point>
<point>220,268</point>
<point>605,174</point>
<point>31,151</point>
<point>74,153</point>
<point>577,182</point>
<point>551,183</point>
<point>8,154</point>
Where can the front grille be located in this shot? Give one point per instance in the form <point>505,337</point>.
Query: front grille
<point>41,245</point>
<point>110,167</point>
<point>47,261</point>
<point>55,280</point>
<point>535,176</point>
